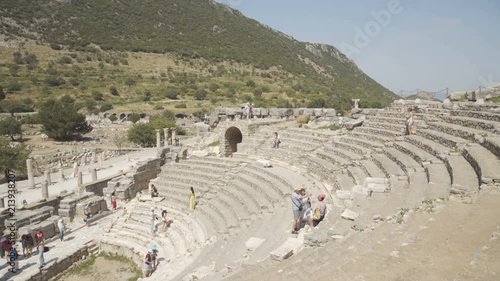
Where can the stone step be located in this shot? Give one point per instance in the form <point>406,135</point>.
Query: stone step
<point>389,167</point>
<point>196,166</point>
<point>481,124</point>
<point>368,144</point>
<point>392,134</point>
<point>333,158</point>
<point>416,153</point>
<point>391,127</point>
<point>438,150</point>
<point>372,169</point>
<point>439,181</point>
<point>208,162</point>
<point>456,130</point>
<point>344,181</point>
<point>417,190</point>
<point>353,145</point>
<point>492,143</point>
<point>464,177</point>
<point>298,145</point>
<point>265,189</point>
<point>241,198</point>
<point>442,138</point>
<point>357,174</point>
<point>483,161</point>
<point>291,135</point>
<point>237,208</point>
<point>280,186</point>
<point>262,202</point>
<point>405,161</point>
<point>180,187</point>
<point>377,140</point>
<point>191,173</point>
<point>483,115</point>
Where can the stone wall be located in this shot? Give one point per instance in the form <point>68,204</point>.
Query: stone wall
<point>60,265</point>
<point>223,114</point>
<point>97,187</point>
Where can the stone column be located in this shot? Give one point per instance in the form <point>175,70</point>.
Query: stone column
<point>83,160</point>
<point>94,157</point>
<point>356,106</point>
<point>75,170</point>
<point>94,174</point>
<point>45,190</point>
<point>165,135</point>
<point>46,175</point>
<point>158,141</point>
<point>80,179</point>
<point>61,174</point>
<point>101,159</point>
<point>173,136</point>
<point>2,205</point>
<point>29,168</point>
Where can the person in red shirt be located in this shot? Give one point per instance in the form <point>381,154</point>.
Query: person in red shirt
<point>40,241</point>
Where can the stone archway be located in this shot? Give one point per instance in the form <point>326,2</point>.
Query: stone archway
<point>232,137</point>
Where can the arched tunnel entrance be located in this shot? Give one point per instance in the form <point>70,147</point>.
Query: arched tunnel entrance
<point>232,137</point>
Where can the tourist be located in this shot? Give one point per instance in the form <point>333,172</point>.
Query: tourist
<point>319,209</point>
<point>24,245</point>
<point>148,260</point>
<point>6,247</point>
<point>248,111</point>
<point>29,244</point>
<point>308,214</point>
<point>40,241</point>
<point>164,218</point>
<point>191,199</point>
<point>152,221</point>
<point>277,140</point>
<point>113,201</point>
<point>88,214</point>
<point>297,209</point>
<point>62,228</point>
<point>154,191</point>
<point>409,122</point>
<point>154,256</point>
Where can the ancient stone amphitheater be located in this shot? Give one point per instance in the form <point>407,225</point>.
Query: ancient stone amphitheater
<point>419,207</point>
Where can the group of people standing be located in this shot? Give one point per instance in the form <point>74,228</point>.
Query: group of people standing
<point>302,209</point>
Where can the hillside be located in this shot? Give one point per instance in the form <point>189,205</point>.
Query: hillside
<point>191,33</point>
<point>423,96</point>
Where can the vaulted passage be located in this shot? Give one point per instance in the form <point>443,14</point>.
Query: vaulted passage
<point>232,137</point>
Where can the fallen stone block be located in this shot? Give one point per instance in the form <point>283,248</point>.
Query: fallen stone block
<point>264,163</point>
<point>378,188</point>
<point>349,215</point>
<point>343,194</point>
<point>353,124</point>
<point>200,153</point>
<point>254,243</point>
<point>287,249</point>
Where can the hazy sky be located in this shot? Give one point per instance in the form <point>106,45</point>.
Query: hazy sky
<point>403,44</point>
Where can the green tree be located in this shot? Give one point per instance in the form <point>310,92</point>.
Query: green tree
<point>97,95</point>
<point>251,83</point>
<point>142,134</point>
<point>30,120</point>
<point>10,127</point>
<point>134,117</point>
<point>13,158</point>
<point>61,121</point>
<point>106,106</point>
<point>200,94</point>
